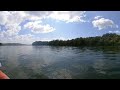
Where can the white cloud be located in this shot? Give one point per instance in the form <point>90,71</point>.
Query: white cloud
<point>19,16</point>
<point>11,30</point>
<point>37,27</point>
<point>25,39</point>
<point>103,23</point>
<point>32,24</point>
<point>34,15</point>
<point>116,26</point>
<point>117,31</point>
<point>28,38</point>
<point>11,21</point>
<point>0,28</point>
<point>110,31</point>
<point>97,17</point>
<point>12,17</point>
<point>68,16</point>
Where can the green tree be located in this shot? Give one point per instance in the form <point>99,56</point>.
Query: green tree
<point>109,39</point>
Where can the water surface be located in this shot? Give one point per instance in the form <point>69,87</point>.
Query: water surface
<point>44,62</point>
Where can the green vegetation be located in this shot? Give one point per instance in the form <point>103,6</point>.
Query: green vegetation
<point>105,40</point>
<point>0,44</point>
<point>40,43</point>
<point>109,39</point>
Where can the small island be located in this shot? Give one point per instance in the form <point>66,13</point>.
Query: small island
<point>109,39</point>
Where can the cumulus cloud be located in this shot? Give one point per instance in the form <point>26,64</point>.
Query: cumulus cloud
<point>103,23</point>
<point>37,27</point>
<point>12,20</point>
<point>97,17</point>
<point>68,16</point>
<point>25,39</point>
<point>34,15</point>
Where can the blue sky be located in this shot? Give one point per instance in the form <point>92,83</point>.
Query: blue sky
<point>29,26</point>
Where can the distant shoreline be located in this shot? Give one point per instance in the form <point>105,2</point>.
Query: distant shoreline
<point>109,39</point>
<point>14,44</point>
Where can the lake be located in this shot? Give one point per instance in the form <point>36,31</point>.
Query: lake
<point>54,62</point>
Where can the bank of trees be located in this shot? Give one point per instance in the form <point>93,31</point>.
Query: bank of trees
<point>0,44</point>
<point>40,43</point>
<point>109,39</point>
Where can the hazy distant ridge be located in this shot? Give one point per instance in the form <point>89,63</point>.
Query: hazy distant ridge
<point>16,44</point>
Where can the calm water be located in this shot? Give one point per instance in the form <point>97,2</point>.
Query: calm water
<point>43,62</point>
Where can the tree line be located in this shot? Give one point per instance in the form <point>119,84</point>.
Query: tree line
<point>40,43</point>
<point>109,39</point>
<point>0,44</point>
